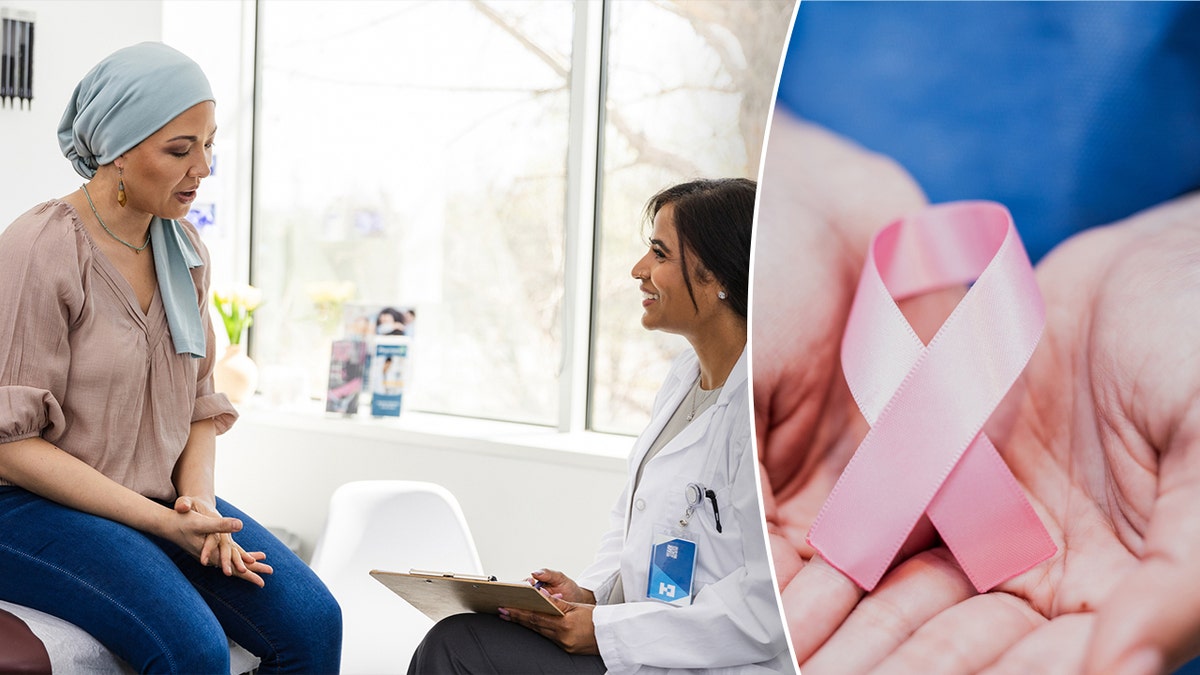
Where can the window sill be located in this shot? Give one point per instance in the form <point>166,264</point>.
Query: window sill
<point>489,437</point>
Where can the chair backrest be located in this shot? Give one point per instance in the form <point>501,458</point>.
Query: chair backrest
<point>390,525</point>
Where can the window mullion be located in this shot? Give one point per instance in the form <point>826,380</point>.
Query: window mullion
<point>580,222</point>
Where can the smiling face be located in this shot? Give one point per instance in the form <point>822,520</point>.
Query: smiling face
<point>666,303</point>
<point>162,173</point>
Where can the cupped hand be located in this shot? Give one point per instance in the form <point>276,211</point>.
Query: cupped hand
<point>207,535</point>
<point>1102,431</point>
<point>559,585</point>
<point>821,200</point>
<point>574,631</point>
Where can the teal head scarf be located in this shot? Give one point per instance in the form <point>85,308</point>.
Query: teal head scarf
<point>127,97</point>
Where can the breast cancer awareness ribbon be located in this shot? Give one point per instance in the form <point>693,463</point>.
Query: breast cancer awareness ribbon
<point>925,453</point>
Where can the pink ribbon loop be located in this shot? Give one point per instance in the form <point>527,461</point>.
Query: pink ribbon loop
<point>927,404</point>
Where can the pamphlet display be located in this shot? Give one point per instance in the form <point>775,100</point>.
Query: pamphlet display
<point>369,364</point>
<point>389,365</point>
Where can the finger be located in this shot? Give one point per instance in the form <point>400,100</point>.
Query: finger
<point>520,617</point>
<point>557,583</point>
<point>786,559</point>
<point>224,525</point>
<point>549,577</point>
<point>816,602</point>
<point>555,599</point>
<point>251,577</point>
<point>1152,616</point>
<point>209,549</point>
<point>965,638</point>
<point>1053,648</point>
<point>253,561</point>
<point>198,524</point>
<point>237,556</point>
<point>227,555</point>
<point>907,597</point>
<point>183,505</point>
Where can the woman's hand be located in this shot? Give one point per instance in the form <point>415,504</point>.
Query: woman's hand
<point>559,585</point>
<point>573,631</point>
<point>215,547</point>
<point>1102,431</point>
<point>811,238</point>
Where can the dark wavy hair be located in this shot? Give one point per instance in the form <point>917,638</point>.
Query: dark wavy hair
<point>713,219</point>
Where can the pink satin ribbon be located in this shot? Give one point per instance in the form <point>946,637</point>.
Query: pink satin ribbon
<point>925,452</point>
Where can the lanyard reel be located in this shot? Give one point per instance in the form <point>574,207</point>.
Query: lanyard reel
<point>695,496</point>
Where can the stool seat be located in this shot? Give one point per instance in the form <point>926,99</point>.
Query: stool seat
<point>67,648</point>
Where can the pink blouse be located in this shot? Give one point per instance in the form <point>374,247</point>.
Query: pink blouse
<point>82,366</point>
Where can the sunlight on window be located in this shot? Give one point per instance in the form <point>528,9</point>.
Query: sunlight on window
<point>426,165</point>
<point>415,154</point>
<point>689,88</point>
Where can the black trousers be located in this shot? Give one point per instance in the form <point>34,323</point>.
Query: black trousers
<point>483,643</point>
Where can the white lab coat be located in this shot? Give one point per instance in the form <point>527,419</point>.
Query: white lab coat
<point>733,623</point>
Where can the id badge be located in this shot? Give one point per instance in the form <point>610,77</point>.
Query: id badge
<point>672,567</point>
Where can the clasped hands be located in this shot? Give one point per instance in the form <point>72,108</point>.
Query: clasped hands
<point>1102,431</point>
<point>207,535</point>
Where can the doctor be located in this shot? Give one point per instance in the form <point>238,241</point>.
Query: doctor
<point>682,580</point>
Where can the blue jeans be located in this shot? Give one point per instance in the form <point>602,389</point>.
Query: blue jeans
<point>154,605</point>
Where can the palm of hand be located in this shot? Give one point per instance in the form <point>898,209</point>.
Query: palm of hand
<point>1096,431</point>
<point>1100,439</point>
<point>810,245</point>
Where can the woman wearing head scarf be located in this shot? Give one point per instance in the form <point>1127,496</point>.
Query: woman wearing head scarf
<point>108,418</point>
<point>682,579</point>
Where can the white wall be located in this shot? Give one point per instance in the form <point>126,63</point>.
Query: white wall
<point>219,35</point>
<point>71,36</point>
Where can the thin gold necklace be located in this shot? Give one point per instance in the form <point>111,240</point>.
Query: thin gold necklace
<point>136,249</point>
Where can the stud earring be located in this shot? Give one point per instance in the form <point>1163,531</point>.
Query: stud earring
<point>721,295</point>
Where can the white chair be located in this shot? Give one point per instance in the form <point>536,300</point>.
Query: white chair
<point>396,526</point>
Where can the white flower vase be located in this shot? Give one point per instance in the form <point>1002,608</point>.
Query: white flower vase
<point>235,374</point>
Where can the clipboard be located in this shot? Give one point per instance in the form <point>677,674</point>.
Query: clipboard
<point>439,595</point>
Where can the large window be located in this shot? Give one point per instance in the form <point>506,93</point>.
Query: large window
<point>689,87</point>
<point>465,158</point>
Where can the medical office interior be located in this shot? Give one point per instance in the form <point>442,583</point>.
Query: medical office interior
<point>480,164</point>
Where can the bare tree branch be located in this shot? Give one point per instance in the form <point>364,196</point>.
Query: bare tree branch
<point>560,69</point>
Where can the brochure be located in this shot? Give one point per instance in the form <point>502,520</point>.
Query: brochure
<point>389,366</point>
<point>347,361</point>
